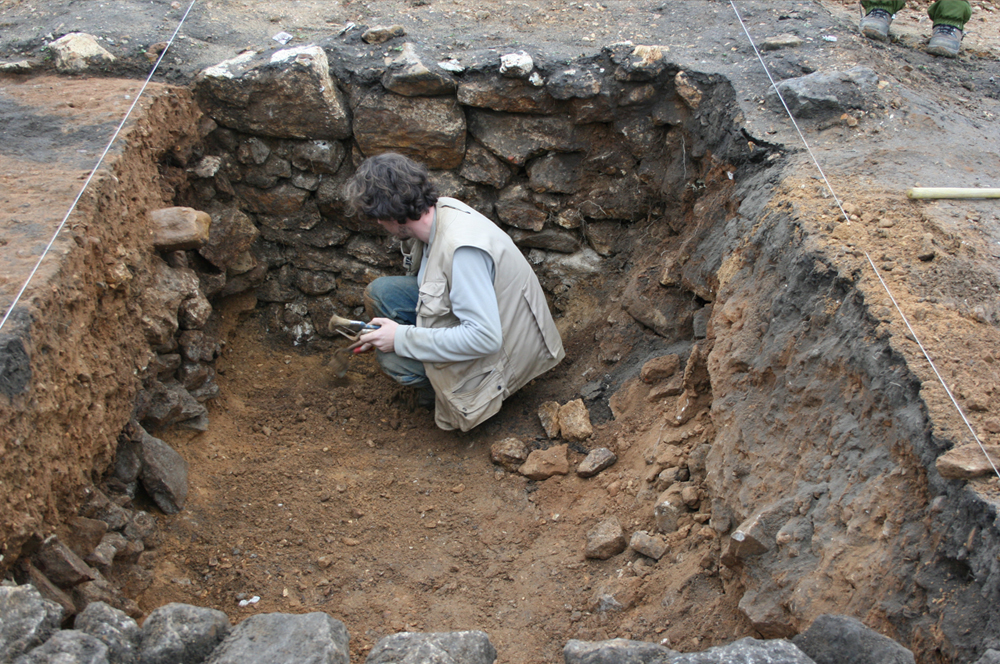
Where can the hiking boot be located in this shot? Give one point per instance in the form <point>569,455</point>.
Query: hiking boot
<point>875,25</point>
<point>945,40</point>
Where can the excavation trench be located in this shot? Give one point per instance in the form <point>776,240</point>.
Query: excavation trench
<point>785,426</point>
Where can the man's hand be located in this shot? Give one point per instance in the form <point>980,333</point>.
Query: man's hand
<point>384,338</point>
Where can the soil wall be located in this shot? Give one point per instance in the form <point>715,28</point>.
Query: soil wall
<point>73,351</point>
<point>825,456</point>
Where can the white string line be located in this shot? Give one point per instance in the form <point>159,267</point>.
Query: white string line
<point>870,262</point>
<point>93,172</point>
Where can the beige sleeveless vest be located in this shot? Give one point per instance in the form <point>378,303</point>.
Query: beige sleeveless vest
<point>470,392</point>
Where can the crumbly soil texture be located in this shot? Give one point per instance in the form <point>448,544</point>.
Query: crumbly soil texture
<point>317,492</point>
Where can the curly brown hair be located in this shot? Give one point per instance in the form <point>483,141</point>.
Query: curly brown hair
<point>390,186</point>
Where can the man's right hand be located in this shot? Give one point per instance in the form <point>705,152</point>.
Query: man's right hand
<point>384,338</point>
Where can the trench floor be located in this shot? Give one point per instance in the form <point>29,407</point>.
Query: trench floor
<point>318,493</point>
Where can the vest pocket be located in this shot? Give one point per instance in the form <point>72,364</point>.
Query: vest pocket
<point>433,300</point>
<point>477,392</point>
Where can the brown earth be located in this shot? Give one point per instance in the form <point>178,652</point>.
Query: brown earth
<point>319,493</point>
<point>314,492</point>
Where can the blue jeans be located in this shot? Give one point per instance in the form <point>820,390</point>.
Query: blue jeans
<point>395,298</point>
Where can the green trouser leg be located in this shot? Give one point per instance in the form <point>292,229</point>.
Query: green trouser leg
<point>950,12</point>
<point>891,6</point>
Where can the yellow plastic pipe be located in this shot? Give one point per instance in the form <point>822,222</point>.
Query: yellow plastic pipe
<point>952,192</point>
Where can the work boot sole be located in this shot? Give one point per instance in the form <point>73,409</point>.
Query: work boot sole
<point>873,32</point>
<point>944,50</point>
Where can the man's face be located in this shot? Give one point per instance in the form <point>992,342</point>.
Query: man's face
<point>395,228</point>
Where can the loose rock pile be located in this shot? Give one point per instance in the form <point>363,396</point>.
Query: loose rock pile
<point>78,567</point>
<point>180,633</point>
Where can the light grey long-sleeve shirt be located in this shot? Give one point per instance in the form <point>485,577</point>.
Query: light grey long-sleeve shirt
<point>474,303</point>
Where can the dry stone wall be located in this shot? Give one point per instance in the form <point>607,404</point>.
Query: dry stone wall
<point>560,155</point>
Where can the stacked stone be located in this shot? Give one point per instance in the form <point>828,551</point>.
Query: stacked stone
<point>30,634</point>
<point>560,155</point>
<point>176,309</point>
<point>71,570</point>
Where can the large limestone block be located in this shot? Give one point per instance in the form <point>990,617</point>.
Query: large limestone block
<point>506,94</point>
<point>28,620</point>
<point>774,651</point>
<point>113,628</point>
<point>614,651</point>
<point>164,474</point>
<point>286,94</point>
<point>826,93</point>
<point>68,646</point>
<point>968,461</point>
<point>77,51</point>
<point>429,130</point>
<point>179,228</point>
<point>182,633</point>
<point>232,233</point>
<point>282,637</point>
<point>518,138</point>
<point>469,647</point>
<point>832,639</point>
<point>411,76</point>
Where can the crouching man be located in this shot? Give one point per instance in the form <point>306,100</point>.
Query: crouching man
<point>469,325</point>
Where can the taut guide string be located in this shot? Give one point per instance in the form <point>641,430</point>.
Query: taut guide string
<point>93,172</point>
<point>869,258</point>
